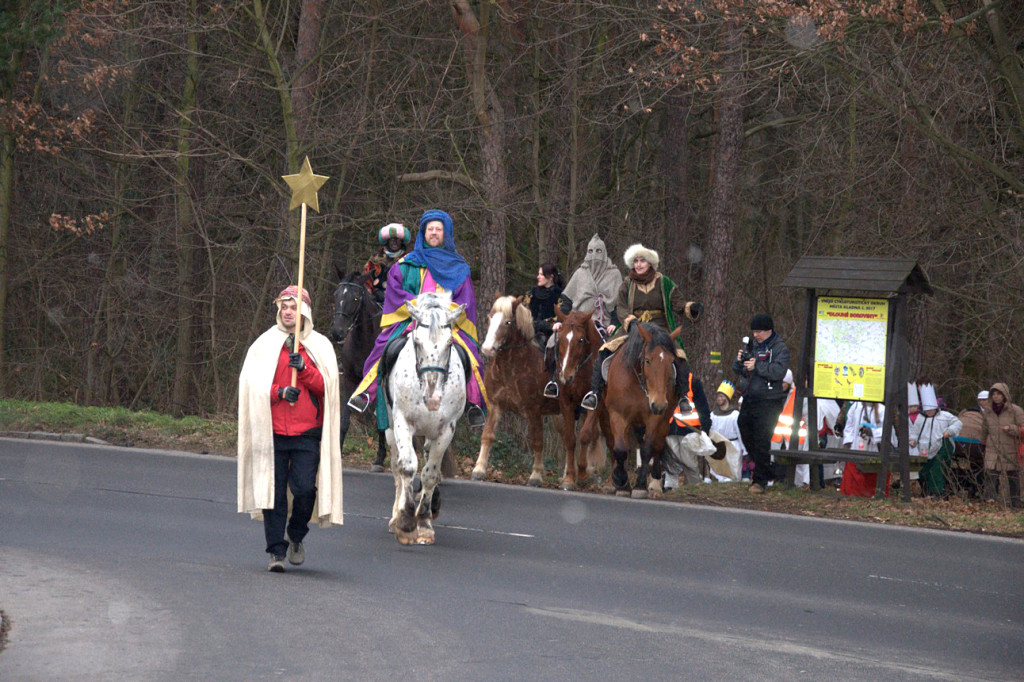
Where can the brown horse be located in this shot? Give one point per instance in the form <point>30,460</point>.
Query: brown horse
<point>641,389</point>
<point>578,343</point>
<point>514,380</point>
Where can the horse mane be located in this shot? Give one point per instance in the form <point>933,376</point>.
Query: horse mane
<point>635,346</point>
<point>433,306</point>
<point>523,316</point>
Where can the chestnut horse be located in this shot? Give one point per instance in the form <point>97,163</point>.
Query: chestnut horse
<point>514,380</point>
<point>640,391</point>
<point>578,345</point>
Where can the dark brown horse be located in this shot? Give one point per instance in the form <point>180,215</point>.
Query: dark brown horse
<point>514,380</point>
<point>578,343</point>
<point>354,328</point>
<point>640,391</point>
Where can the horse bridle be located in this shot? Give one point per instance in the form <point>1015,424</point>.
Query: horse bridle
<point>640,376</point>
<point>443,371</point>
<point>354,315</point>
<point>581,362</point>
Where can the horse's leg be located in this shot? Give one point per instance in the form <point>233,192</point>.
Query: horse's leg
<point>535,426</point>
<point>345,416</point>
<point>486,441</point>
<point>398,482</point>
<point>640,491</point>
<point>620,450</point>
<point>574,473</point>
<point>382,452</point>
<point>429,502</point>
<point>657,469</point>
<point>404,468</point>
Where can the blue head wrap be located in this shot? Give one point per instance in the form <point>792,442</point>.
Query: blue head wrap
<point>446,266</point>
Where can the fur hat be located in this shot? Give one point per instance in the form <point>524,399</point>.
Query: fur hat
<point>392,230</point>
<point>912,397</point>
<point>928,399</point>
<point>649,255</point>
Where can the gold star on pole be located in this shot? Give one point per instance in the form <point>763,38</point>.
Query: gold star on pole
<point>304,185</point>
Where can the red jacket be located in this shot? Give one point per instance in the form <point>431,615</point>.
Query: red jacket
<point>308,411</point>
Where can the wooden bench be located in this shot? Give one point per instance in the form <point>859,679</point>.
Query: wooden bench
<point>868,462</point>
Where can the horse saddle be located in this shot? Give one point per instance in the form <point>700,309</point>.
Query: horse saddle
<point>604,367</point>
<point>390,355</point>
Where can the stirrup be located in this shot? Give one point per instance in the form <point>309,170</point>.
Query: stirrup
<point>551,390</point>
<point>359,403</point>
<point>589,401</point>
<point>475,417</point>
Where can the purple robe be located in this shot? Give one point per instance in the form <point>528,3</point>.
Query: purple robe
<point>395,320</point>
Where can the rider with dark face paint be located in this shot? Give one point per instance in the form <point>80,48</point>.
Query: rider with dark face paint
<point>393,237</point>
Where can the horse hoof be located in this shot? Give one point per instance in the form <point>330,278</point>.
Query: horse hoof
<point>425,537</point>
<point>405,538</point>
<point>654,487</point>
<point>639,495</point>
<point>478,475</point>
<point>534,481</point>
<point>377,468</point>
<point>622,493</point>
<point>569,485</point>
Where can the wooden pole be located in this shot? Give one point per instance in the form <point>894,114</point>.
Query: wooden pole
<point>302,267</point>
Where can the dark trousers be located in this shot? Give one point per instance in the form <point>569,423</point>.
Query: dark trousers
<point>757,422</point>
<point>296,461</point>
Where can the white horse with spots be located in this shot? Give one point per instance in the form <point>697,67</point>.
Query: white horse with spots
<point>428,388</point>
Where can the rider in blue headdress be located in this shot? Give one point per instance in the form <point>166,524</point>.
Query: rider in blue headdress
<point>433,265</point>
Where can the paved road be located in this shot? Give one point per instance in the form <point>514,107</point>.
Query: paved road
<point>129,564</point>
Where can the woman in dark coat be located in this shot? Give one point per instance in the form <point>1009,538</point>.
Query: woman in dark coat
<point>542,300</point>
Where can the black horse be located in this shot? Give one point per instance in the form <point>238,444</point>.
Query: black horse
<point>354,328</point>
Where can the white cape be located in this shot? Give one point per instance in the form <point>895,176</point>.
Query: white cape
<point>256,429</point>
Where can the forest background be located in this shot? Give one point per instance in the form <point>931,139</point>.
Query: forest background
<point>144,228</point>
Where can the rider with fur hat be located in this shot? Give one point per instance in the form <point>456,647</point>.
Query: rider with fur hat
<point>648,296</point>
<point>393,238</point>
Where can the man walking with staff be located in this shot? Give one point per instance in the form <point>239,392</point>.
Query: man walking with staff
<point>288,416</point>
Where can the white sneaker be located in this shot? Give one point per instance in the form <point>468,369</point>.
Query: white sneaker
<point>296,553</point>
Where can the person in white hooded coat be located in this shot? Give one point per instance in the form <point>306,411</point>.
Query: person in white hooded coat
<point>595,285</point>
<point>930,436</point>
<point>289,435</point>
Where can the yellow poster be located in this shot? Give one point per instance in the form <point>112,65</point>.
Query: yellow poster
<point>849,348</point>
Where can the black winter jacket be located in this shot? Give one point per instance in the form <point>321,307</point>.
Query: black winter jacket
<point>765,382</point>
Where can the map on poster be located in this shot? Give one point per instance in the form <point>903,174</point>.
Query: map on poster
<point>849,348</point>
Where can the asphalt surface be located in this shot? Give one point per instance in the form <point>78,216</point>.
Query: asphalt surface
<point>130,564</point>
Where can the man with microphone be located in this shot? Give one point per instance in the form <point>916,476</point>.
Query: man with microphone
<point>762,365</point>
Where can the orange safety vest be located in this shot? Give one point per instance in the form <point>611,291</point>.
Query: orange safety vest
<point>784,429</point>
<point>691,418</point>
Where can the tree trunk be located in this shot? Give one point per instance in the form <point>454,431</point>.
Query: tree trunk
<point>491,132</point>
<point>185,236</point>
<point>7,153</point>
<point>728,147</point>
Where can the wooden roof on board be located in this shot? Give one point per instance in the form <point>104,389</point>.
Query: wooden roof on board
<point>888,275</point>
